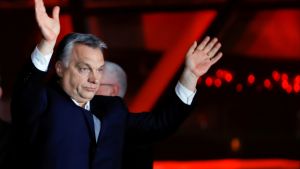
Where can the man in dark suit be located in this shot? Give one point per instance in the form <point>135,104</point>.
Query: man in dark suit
<point>136,155</point>
<point>4,128</point>
<point>61,125</point>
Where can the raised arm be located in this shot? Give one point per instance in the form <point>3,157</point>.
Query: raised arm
<point>49,27</point>
<point>198,60</point>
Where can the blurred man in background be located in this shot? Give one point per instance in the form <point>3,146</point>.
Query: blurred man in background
<point>114,83</point>
<point>4,127</point>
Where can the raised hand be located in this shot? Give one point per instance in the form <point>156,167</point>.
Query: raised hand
<point>50,27</point>
<point>198,60</point>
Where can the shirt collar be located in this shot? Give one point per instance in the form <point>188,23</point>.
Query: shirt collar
<point>86,106</point>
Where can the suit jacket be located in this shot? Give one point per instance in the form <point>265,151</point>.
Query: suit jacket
<point>51,132</point>
<point>138,147</point>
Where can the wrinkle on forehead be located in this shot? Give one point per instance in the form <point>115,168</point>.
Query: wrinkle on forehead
<point>87,55</point>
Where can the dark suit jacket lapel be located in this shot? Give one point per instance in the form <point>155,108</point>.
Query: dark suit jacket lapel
<point>87,114</point>
<point>90,122</point>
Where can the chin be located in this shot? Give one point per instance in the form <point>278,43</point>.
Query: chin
<point>90,96</point>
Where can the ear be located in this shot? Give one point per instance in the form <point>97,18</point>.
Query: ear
<point>116,90</point>
<point>59,67</point>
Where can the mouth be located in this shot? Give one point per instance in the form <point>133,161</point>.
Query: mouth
<point>90,89</point>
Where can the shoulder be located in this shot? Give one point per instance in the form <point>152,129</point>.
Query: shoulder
<point>113,105</point>
<point>107,101</point>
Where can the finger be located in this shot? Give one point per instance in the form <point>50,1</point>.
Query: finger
<point>55,13</point>
<point>216,58</point>
<point>210,45</point>
<point>39,6</point>
<point>40,10</point>
<point>38,15</point>
<point>203,43</point>
<point>214,50</point>
<point>192,48</point>
<point>36,6</point>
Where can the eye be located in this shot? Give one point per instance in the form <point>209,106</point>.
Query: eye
<point>84,70</point>
<point>100,70</point>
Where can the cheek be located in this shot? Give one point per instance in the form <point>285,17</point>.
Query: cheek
<point>76,79</point>
<point>104,91</point>
<point>100,76</point>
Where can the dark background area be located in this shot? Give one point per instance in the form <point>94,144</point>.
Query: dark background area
<point>236,119</point>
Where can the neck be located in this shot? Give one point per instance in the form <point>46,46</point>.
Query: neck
<point>81,104</point>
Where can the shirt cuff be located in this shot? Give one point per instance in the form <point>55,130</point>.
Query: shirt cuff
<point>185,95</point>
<point>39,60</point>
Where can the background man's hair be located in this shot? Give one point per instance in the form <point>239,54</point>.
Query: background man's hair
<point>116,72</point>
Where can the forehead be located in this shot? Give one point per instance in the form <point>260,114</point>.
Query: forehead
<point>106,79</point>
<point>88,55</point>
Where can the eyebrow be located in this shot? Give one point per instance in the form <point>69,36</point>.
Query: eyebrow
<point>102,66</point>
<point>88,65</point>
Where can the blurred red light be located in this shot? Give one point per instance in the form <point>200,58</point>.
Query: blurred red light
<point>218,83</point>
<point>284,77</point>
<point>239,87</point>
<point>285,84</point>
<point>289,89</point>
<point>297,79</point>
<point>220,73</point>
<point>228,77</point>
<point>296,88</point>
<point>251,79</point>
<point>209,81</point>
<point>267,84</point>
<point>276,75</point>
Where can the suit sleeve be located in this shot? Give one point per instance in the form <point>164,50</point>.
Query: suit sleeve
<point>153,126</point>
<point>28,99</point>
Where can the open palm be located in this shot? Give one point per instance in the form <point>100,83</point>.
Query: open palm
<point>50,27</point>
<point>200,58</point>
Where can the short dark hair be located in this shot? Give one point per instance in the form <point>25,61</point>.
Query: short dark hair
<point>66,45</point>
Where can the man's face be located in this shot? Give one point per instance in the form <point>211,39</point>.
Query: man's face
<point>80,79</point>
<point>106,87</point>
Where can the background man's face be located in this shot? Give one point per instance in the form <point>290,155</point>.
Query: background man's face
<point>106,89</point>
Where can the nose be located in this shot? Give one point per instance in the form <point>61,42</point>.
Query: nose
<point>94,78</point>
